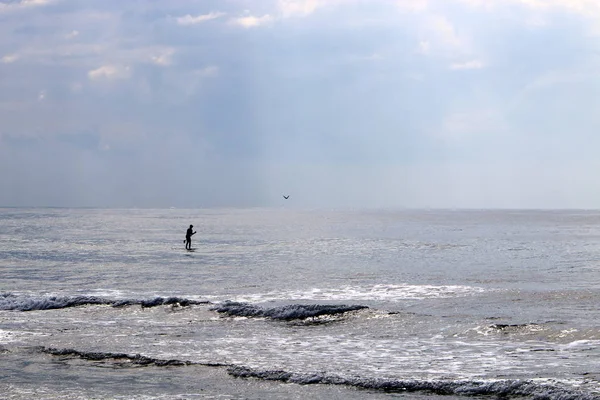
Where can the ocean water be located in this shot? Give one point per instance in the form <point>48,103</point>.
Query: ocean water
<point>299,304</point>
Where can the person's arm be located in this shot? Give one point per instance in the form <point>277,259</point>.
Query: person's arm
<point>193,233</point>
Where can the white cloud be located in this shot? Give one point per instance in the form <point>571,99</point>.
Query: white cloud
<point>42,95</point>
<point>206,72</point>
<point>76,87</point>
<point>250,21</point>
<point>301,8</point>
<point>10,6</point>
<point>413,5</point>
<point>424,47</point>
<point>71,35</point>
<point>110,72</point>
<point>589,8</point>
<point>444,30</point>
<point>183,84</point>
<point>10,58</point>
<point>191,20</point>
<point>439,37</point>
<point>164,59</point>
<point>285,9</point>
<point>30,3</point>
<point>473,64</point>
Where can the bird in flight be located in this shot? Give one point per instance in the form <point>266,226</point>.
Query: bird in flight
<point>286,197</point>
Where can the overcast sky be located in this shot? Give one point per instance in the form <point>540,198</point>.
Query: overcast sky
<point>338,103</point>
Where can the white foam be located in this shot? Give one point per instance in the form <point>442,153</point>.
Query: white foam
<point>16,336</point>
<point>567,332</point>
<point>360,293</point>
<point>107,293</point>
<point>583,343</point>
<point>6,337</point>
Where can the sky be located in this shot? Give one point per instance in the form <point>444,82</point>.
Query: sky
<point>337,103</point>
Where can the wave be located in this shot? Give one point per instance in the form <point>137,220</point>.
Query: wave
<point>548,332</point>
<point>160,301</point>
<point>136,359</point>
<point>507,388</point>
<point>508,329</point>
<point>388,292</point>
<point>497,388</point>
<point>12,302</point>
<point>285,313</point>
<point>512,328</point>
<point>128,359</point>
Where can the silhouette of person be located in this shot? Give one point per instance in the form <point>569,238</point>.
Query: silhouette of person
<point>188,237</point>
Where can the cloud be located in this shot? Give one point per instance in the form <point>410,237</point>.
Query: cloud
<point>473,64</point>
<point>251,21</point>
<point>303,8</point>
<point>298,8</point>
<point>71,35</point>
<point>585,8</point>
<point>413,5</point>
<point>424,47</point>
<point>10,58</point>
<point>23,4</point>
<point>439,36</point>
<point>444,30</point>
<point>304,93</point>
<point>579,6</point>
<point>32,3</point>
<point>75,87</point>
<point>164,59</point>
<point>184,85</point>
<point>191,20</point>
<point>207,72</point>
<point>285,9</point>
<point>110,72</point>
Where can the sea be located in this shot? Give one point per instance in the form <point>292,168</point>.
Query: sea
<point>279,303</point>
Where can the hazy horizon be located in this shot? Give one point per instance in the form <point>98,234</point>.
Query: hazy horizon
<point>311,209</point>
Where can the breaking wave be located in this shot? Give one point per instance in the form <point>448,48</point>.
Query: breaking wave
<point>508,388</point>
<point>10,301</point>
<point>159,301</point>
<point>497,388</point>
<point>123,358</point>
<point>392,293</point>
<point>136,359</point>
<point>285,313</point>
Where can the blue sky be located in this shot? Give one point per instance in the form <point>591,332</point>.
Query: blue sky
<point>339,103</point>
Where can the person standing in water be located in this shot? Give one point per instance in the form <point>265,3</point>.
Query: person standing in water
<point>188,237</point>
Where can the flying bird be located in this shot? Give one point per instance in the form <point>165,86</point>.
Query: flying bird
<point>286,197</point>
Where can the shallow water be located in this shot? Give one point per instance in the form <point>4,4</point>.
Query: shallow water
<point>450,303</point>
